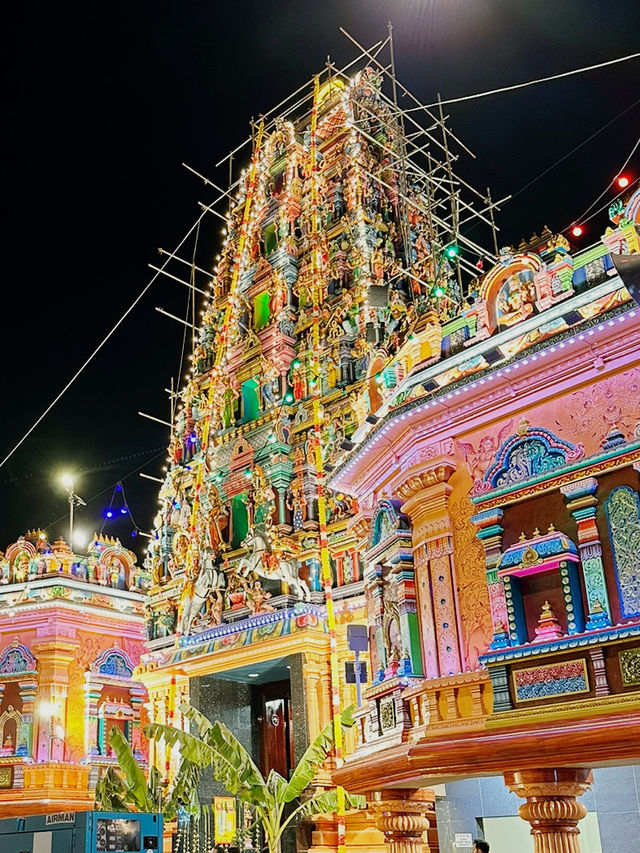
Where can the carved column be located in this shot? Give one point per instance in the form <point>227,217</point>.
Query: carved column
<point>92,692</point>
<point>136,697</point>
<point>404,816</point>
<point>426,495</point>
<point>54,657</point>
<point>28,690</point>
<point>490,534</point>
<point>582,503</point>
<point>373,597</point>
<point>551,806</point>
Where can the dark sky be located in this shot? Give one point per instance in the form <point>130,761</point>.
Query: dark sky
<point>102,103</point>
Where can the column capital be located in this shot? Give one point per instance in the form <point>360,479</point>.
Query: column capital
<point>426,478</point>
<point>551,806</point>
<point>401,815</point>
<point>580,488</point>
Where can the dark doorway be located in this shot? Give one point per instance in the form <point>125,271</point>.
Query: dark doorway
<point>276,733</point>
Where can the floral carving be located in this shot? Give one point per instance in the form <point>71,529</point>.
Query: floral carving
<point>623,513</point>
<point>593,411</point>
<point>475,613</point>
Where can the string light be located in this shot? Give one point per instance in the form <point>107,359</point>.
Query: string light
<point>622,181</point>
<point>577,230</point>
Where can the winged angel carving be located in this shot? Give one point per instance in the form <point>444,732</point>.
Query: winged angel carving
<point>480,458</point>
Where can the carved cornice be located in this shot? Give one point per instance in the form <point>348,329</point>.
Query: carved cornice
<point>419,481</point>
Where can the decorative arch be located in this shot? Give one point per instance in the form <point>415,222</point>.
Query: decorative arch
<point>113,662</point>
<point>386,521</point>
<point>19,547</point>
<point>509,290</point>
<point>9,730</point>
<point>622,508</point>
<point>16,659</point>
<point>528,453</point>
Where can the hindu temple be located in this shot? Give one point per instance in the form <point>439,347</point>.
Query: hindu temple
<point>387,425</point>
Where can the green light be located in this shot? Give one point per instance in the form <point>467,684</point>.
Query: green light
<point>379,378</point>
<point>452,251</point>
<point>438,291</point>
<point>288,398</point>
<point>295,363</point>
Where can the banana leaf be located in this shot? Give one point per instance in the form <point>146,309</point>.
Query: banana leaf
<point>110,792</point>
<point>218,736</point>
<point>184,791</point>
<point>326,803</point>
<point>277,785</point>
<point>231,763</point>
<point>194,716</point>
<point>235,768</point>
<point>134,778</point>
<point>314,756</point>
<point>191,747</point>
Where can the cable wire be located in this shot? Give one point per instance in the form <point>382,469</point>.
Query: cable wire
<point>99,347</point>
<point>531,82</point>
<point>573,150</point>
<point>606,189</point>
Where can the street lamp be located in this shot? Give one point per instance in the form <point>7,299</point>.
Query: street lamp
<point>74,501</point>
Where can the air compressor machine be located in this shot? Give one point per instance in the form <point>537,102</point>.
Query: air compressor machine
<point>82,832</point>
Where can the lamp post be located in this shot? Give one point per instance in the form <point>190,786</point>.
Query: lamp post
<point>74,501</point>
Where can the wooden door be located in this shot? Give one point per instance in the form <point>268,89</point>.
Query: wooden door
<point>276,752</point>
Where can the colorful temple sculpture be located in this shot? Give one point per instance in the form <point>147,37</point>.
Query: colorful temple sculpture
<point>71,636</point>
<point>386,425</point>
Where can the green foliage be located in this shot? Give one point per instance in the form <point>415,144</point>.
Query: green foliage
<point>314,756</point>
<point>218,748</point>
<point>110,792</point>
<point>136,789</point>
<point>233,767</point>
<point>127,789</point>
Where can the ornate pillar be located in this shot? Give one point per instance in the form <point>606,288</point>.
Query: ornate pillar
<point>582,503</point>
<point>426,494</point>
<point>373,597</point>
<point>28,690</point>
<point>313,669</point>
<point>137,694</point>
<point>490,534</point>
<point>404,816</point>
<point>54,657</point>
<point>551,806</point>
<point>92,692</point>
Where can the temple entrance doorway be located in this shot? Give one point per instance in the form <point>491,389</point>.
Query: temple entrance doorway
<point>275,729</point>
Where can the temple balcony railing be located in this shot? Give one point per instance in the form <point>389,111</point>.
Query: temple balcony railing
<point>21,772</point>
<point>461,702</point>
<point>69,777</point>
<point>408,710</point>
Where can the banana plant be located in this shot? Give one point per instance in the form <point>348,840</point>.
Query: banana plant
<point>233,767</point>
<point>127,789</point>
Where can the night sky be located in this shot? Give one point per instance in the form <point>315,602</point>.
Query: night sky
<point>103,102</point>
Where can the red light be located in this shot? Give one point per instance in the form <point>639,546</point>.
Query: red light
<point>622,181</point>
<point>577,230</point>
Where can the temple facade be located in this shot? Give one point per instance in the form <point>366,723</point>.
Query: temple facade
<point>513,467</point>
<point>387,426</point>
<point>71,635</point>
